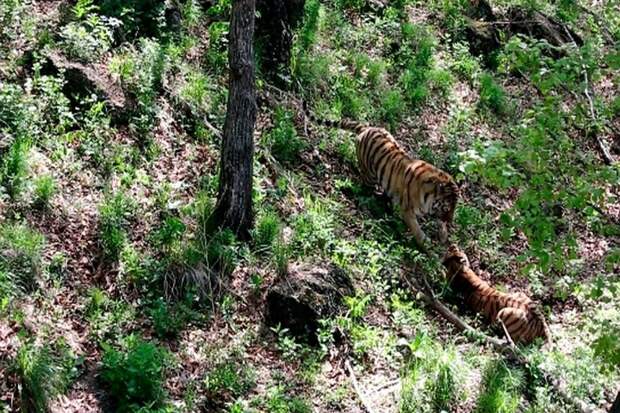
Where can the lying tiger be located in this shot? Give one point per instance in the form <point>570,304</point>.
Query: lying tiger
<point>520,317</point>
<point>416,187</point>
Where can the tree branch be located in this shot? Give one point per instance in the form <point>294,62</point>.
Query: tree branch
<point>360,395</point>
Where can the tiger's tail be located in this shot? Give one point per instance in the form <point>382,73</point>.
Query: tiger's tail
<point>346,124</point>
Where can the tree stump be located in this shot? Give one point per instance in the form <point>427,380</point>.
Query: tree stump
<point>304,296</point>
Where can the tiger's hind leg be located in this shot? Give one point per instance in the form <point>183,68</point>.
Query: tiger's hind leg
<point>514,323</point>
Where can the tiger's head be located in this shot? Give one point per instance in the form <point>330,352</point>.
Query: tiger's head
<point>455,260</point>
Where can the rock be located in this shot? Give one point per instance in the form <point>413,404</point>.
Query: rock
<point>83,79</point>
<point>304,296</point>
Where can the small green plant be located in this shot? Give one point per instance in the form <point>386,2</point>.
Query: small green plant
<point>115,212</point>
<point>14,168</point>
<point>278,401</point>
<point>167,319</point>
<point>89,39</point>
<point>492,95</point>
<point>501,390</point>
<point>21,251</point>
<point>286,343</point>
<point>283,140</point>
<point>267,231</point>
<point>228,381</point>
<point>44,189</point>
<point>134,375</point>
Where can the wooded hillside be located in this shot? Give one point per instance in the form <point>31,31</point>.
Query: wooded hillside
<point>123,287</point>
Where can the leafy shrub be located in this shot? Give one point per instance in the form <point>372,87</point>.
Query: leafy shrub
<point>282,138</point>
<point>91,36</point>
<point>21,251</point>
<point>141,71</point>
<point>139,17</point>
<point>221,251</point>
<point>492,95</point>
<point>168,319</point>
<point>115,212</point>
<point>315,227</point>
<point>134,375</point>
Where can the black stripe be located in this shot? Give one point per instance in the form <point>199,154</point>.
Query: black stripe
<point>373,149</point>
<point>382,170</point>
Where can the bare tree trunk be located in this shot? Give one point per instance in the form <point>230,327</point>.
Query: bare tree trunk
<point>615,408</point>
<point>234,205</point>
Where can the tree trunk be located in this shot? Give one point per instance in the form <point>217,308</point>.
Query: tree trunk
<point>234,205</point>
<point>615,408</point>
<point>274,32</point>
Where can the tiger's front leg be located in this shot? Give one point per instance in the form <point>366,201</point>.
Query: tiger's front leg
<point>412,222</point>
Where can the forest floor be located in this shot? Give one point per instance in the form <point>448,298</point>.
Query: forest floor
<point>109,151</point>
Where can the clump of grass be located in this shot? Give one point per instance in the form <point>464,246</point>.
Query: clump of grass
<point>501,391</point>
<point>44,189</point>
<point>21,251</point>
<point>267,231</point>
<point>431,377</point>
<point>134,375</point>
<point>492,95</point>
<point>392,107</point>
<point>41,377</point>
<point>115,212</point>
<point>283,140</point>
<point>14,168</point>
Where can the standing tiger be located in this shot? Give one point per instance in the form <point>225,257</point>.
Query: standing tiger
<point>519,316</point>
<point>416,187</point>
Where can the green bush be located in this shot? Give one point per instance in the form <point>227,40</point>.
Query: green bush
<point>42,375</point>
<point>90,36</point>
<point>134,375</point>
<point>307,31</point>
<point>282,138</point>
<point>115,213</point>
<point>228,380</point>
<point>492,95</point>
<point>168,319</point>
<point>44,189</point>
<point>21,251</point>
<point>501,389</point>
<point>267,230</point>
<point>15,168</point>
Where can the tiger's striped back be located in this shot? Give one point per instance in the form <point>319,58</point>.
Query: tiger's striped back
<point>416,186</point>
<point>519,314</point>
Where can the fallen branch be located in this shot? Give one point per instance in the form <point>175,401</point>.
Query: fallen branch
<point>360,395</point>
<point>604,151</point>
<point>502,346</point>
